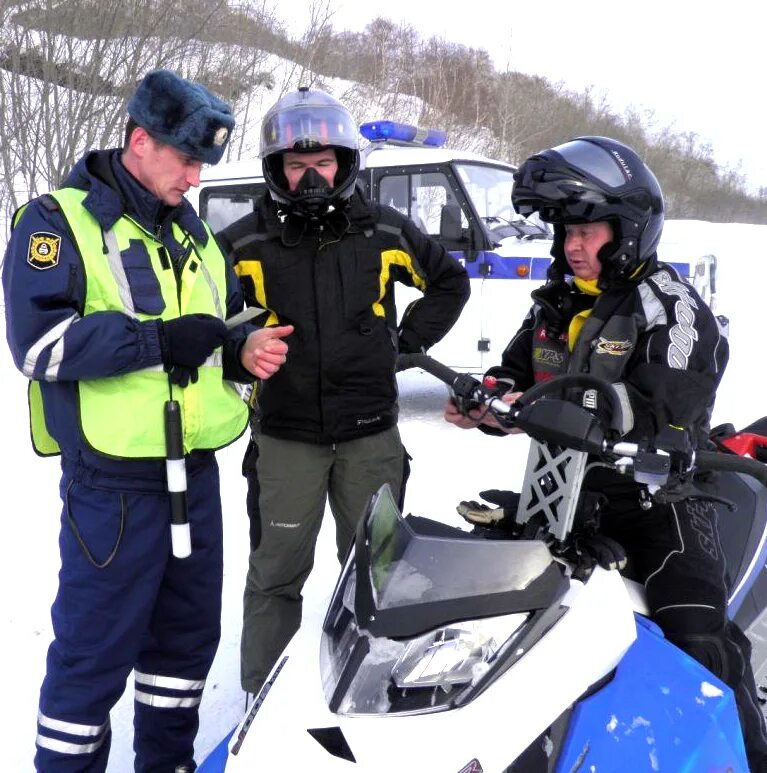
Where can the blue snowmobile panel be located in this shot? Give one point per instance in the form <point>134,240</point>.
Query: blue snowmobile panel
<point>215,762</point>
<point>661,712</point>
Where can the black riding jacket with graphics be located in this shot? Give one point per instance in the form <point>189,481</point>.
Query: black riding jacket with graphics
<point>334,282</point>
<point>655,338</point>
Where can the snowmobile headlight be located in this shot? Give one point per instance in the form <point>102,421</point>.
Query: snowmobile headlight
<point>455,654</point>
<point>364,674</point>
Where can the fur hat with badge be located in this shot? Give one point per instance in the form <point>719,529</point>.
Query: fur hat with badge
<point>182,114</point>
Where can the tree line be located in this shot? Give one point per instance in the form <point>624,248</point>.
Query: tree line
<point>68,66</point>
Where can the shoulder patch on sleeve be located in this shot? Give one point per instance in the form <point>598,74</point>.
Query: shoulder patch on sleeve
<point>43,250</point>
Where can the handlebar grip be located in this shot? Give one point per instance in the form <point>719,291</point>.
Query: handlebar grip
<point>430,365</point>
<point>716,460</point>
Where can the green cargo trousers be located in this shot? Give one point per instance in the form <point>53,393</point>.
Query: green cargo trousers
<point>295,480</point>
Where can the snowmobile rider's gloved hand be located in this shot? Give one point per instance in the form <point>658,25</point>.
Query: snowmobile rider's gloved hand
<point>481,515</point>
<point>186,342</point>
<point>589,549</point>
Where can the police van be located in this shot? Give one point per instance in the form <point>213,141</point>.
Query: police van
<point>460,198</point>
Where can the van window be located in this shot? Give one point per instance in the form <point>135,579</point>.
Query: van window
<point>489,188</point>
<point>419,197</point>
<point>221,205</point>
<point>394,192</point>
<point>428,201</point>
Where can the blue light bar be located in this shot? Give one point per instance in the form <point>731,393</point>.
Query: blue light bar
<point>391,131</point>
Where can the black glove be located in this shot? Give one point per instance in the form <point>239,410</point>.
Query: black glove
<point>186,342</point>
<point>587,550</point>
<point>501,517</point>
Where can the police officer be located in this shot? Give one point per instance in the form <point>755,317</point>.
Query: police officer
<point>613,310</point>
<point>321,257</point>
<point>116,295</point>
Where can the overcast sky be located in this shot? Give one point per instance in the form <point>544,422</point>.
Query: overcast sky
<point>699,65</point>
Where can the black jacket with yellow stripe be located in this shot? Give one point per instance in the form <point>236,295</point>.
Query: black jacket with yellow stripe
<point>655,339</point>
<point>334,281</point>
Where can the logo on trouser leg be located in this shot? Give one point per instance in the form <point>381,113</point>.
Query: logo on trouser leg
<point>701,519</point>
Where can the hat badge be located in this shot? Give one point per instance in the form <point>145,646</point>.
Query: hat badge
<point>219,138</point>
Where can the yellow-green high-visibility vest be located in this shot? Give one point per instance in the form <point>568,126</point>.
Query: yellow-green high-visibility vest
<point>122,416</point>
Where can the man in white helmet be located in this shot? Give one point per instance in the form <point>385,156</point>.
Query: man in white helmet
<point>319,256</point>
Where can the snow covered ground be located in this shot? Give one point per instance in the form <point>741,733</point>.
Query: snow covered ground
<point>448,465</point>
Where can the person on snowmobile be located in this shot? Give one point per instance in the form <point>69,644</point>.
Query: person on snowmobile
<point>318,254</point>
<point>610,308</point>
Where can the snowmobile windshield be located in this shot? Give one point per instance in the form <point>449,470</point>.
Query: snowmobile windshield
<point>409,582</point>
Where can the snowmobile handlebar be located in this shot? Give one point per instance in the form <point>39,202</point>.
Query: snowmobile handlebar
<point>474,393</point>
<point>470,392</point>
<point>567,424</point>
<point>716,460</point>
<point>430,365</point>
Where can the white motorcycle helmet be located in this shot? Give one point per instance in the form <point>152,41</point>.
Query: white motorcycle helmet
<point>306,121</point>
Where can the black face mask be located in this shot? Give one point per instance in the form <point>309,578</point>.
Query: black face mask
<point>314,194</point>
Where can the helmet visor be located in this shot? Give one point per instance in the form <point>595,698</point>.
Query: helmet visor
<point>307,128</point>
<point>595,161</point>
<point>559,197</point>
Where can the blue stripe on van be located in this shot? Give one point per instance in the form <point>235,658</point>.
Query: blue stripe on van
<point>490,265</point>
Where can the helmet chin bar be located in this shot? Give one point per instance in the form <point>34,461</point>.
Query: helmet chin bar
<point>313,195</point>
<point>620,258</point>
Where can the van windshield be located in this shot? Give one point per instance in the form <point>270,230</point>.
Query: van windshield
<point>489,188</point>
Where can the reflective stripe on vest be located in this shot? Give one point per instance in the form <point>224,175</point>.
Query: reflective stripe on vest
<point>122,416</point>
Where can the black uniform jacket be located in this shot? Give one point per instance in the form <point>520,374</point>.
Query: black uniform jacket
<point>334,281</point>
<point>655,338</point>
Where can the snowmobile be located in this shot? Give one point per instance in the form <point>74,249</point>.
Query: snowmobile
<point>448,652</point>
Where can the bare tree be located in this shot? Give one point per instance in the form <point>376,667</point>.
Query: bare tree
<point>309,49</point>
<point>67,68</point>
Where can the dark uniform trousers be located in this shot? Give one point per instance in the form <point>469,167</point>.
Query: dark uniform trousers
<point>124,604</point>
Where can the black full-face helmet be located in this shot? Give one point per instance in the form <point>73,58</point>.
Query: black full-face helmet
<point>592,179</point>
<point>306,121</point>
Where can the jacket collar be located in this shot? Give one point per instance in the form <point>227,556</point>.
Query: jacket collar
<point>357,216</point>
<point>114,192</point>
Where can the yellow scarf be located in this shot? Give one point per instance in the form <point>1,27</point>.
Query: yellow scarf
<point>588,287</point>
